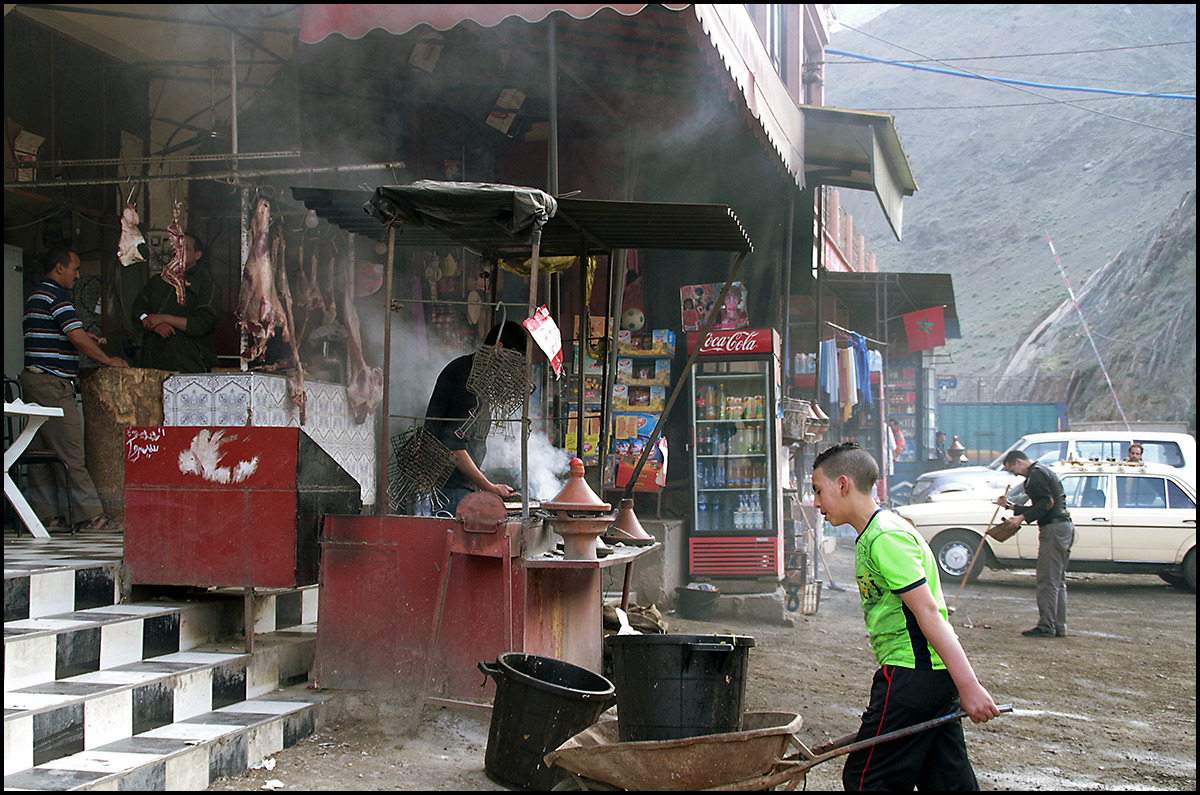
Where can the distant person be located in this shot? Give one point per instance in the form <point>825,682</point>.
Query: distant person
<point>924,672</point>
<point>1134,456</point>
<point>939,446</point>
<point>54,338</point>
<point>895,444</point>
<point>1056,533</point>
<point>179,335</point>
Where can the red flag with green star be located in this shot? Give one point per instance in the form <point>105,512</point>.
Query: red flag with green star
<point>925,329</point>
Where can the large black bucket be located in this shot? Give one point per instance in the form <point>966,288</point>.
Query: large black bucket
<point>675,686</point>
<point>540,703</point>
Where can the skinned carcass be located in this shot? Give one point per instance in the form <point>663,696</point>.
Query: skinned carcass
<point>364,389</point>
<point>174,272</point>
<point>265,301</point>
<point>131,237</point>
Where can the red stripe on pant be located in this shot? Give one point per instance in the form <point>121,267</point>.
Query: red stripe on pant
<point>887,674</point>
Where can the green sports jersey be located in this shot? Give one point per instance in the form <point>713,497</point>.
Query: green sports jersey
<point>890,558</point>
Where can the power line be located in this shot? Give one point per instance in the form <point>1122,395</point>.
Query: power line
<point>1009,81</point>
<point>1028,91</point>
<point>1047,54</point>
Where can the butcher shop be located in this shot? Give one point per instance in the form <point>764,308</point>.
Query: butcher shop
<point>417,335</point>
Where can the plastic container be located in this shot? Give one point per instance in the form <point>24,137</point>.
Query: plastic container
<point>675,686</point>
<point>696,604</point>
<point>540,703</point>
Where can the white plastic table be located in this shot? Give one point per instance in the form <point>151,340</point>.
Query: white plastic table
<point>36,415</point>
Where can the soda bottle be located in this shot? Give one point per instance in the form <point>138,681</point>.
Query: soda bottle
<point>702,519</point>
<point>701,405</point>
<point>710,399</point>
<point>720,407</point>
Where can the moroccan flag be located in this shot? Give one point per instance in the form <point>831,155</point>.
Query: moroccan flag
<point>925,329</point>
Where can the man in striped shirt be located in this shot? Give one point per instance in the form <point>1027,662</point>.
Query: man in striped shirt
<point>54,338</point>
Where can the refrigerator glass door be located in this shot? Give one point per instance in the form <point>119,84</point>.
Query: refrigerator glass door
<point>734,448</point>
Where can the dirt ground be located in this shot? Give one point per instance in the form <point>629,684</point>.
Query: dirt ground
<point>1111,707</point>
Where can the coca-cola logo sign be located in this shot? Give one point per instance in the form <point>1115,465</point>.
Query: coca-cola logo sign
<point>733,342</point>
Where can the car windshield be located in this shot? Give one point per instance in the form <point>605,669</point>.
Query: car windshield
<point>1045,452</point>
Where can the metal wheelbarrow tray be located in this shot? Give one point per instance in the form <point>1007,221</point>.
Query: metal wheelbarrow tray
<point>749,760</point>
<point>732,760</point>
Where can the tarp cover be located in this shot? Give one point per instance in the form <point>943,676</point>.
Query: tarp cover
<point>462,206</point>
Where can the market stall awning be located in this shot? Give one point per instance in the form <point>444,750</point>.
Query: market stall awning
<point>578,226</point>
<point>734,48</point>
<point>889,296</point>
<point>858,150</point>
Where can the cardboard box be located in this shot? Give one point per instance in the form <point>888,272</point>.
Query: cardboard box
<point>659,342</point>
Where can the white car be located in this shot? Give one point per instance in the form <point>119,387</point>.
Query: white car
<point>1177,450</point>
<point>1136,518</point>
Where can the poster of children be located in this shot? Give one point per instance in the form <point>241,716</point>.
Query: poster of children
<point>696,301</point>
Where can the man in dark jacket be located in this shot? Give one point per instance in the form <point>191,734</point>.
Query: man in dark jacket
<point>1047,506</point>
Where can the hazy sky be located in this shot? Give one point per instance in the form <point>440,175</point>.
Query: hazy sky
<point>858,13</point>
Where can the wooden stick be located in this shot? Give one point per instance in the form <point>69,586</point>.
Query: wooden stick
<point>974,559</point>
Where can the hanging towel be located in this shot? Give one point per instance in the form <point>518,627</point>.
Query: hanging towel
<point>862,362</point>
<point>850,384</point>
<point>829,372</point>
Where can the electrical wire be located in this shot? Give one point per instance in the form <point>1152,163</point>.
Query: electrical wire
<point>1009,81</point>
<point>1034,93</point>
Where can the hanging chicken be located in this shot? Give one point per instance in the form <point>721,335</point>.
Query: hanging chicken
<point>131,237</point>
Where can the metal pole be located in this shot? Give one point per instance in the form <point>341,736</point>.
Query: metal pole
<point>525,425</point>
<point>384,415</point>
<point>687,369</point>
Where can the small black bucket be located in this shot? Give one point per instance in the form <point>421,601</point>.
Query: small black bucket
<point>697,604</point>
<point>540,703</point>
<point>675,686</point>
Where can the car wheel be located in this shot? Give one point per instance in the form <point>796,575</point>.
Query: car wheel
<point>953,550</point>
<point>1189,569</point>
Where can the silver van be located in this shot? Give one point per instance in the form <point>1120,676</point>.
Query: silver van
<point>1176,450</point>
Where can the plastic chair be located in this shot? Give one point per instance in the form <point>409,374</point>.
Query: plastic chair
<point>31,457</point>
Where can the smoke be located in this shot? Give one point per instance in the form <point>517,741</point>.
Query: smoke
<point>548,465</point>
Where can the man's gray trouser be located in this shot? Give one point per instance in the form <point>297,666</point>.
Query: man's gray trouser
<point>1054,549</point>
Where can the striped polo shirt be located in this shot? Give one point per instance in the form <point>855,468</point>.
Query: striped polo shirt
<point>49,316</point>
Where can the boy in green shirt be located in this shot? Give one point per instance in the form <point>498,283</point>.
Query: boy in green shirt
<point>923,672</point>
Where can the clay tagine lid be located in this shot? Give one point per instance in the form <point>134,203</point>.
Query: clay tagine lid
<point>577,495</point>
<point>626,527</point>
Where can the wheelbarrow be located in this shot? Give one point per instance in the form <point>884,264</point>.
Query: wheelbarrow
<point>748,760</point>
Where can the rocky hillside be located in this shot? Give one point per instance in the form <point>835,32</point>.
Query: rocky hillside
<point>1001,167</point>
<point>1141,311</point>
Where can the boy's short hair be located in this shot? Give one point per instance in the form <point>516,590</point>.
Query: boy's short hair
<point>851,460</point>
<point>1013,456</point>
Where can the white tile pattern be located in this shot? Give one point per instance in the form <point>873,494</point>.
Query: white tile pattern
<point>261,400</point>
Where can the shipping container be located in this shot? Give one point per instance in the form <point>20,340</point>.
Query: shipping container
<point>988,429</point>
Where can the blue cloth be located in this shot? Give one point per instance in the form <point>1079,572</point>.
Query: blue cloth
<point>862,362</point>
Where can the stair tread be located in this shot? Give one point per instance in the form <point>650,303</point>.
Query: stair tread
<point>126,756</point>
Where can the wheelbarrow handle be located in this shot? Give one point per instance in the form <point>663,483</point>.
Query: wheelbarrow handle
<point>846,744</point>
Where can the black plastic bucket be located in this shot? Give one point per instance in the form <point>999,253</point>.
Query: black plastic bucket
<point>697,604</point>
<point>675,686</point>
<point>540,703</point>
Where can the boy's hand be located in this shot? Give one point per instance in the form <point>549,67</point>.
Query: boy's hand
<point>978,704</point>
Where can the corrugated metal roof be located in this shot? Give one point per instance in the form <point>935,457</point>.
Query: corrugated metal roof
<point>595,225</point>
<point>869,295</point>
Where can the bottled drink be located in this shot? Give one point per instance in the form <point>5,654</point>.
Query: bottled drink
<point>739,516</point>
<point>720,407</point>
<point>756,510</point>
<point>701,404</point>
<point>702,519</point>
<point>710,400</point>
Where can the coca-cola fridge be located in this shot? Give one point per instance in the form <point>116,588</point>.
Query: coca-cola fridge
<point>738,459</point>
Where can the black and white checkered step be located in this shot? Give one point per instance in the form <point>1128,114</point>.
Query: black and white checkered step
<point>54,719</point>
<point>151,694</point>
<point>44,578</point>
<point>56,647</point>
<point>188,754</point>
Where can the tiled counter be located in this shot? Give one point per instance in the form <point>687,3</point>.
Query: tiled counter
<point>261,400</point>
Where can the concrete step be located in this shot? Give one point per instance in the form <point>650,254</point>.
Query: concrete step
<point>111,686</point>
<point>185,755</point>
<point>47,721</point>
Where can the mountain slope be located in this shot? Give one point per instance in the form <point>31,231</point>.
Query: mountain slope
<point>1000,167</point>
<point>1141,311</point>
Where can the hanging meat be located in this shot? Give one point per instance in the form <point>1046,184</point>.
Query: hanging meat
<point>265,300</point>
<point>174,272</point>
<point>259,307</point>
<point>364,390</point>
<point>131,237</point>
